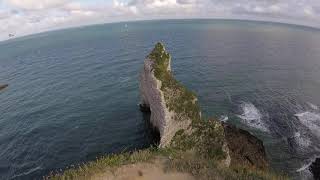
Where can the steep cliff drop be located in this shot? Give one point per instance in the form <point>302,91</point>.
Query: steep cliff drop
<point>176,114</point>
<point>172,106</point>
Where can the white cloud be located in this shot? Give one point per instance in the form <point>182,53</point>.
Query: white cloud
<point>35,4</point>
<point>308,11</point>
<point>31,16</point>
<point>4,14</point>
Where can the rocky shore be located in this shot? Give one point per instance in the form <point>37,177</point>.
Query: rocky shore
<point>245,148</point>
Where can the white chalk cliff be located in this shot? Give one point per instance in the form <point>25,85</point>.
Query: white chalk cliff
<point>153,97</point>
<point>173,107</point>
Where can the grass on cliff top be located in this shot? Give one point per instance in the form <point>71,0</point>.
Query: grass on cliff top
<point>204,169</point>
<point>100,165</point>
<point>206,140</point>
<point>178,98</point>
<point>176,160</point>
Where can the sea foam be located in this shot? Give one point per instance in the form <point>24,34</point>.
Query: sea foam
<point>301,140</point>
<point>313,106</point>
<point>252,116</point>
<point>224,118</point>
<point>310,120</point>
<point>305,173</point>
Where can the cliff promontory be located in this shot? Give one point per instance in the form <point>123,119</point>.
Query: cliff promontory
<point>176,114</point>
<point>190,146</point>
<point>172,106</point>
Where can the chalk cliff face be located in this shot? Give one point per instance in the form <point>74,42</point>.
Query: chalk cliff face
<point>153,98</point>
<point>176,114</point>
<point>164,118</point>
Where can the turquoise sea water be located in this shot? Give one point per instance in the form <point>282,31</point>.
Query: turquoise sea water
<point>73,93</point>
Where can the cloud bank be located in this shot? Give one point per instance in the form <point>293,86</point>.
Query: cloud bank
<point>22,17</point>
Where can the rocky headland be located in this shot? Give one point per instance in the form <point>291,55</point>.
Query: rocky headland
<point>176,114</point>
<point>190,146</point>
<point>172,106</point>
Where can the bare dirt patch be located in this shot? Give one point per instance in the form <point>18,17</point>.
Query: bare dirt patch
<point>142,171</point>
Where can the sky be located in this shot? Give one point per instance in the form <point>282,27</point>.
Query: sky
<point>23,17</point>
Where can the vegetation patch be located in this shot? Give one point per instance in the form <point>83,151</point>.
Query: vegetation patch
<point>178,98</point>
<point>206,139</point>
<point>113,161</point>
<point>203,169</point>
<point>174,160</point>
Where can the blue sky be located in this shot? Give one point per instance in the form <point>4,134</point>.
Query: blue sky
<point>22,17</point>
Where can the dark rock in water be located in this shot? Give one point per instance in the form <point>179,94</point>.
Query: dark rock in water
<point>244,148</point>
<point>3,86</point>
<point>144,108</point>
<point>315,169</point>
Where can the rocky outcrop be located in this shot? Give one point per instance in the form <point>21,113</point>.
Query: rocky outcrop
<point>244,148</point>
<point>3,86</point>
<point>176,114</point>
<point>153,90</point>
<point>315,169</point>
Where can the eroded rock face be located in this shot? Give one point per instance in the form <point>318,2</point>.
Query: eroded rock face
<point>315,169</point>
<point>153,97</point>
<point>175,108</point>
<point>244,148</point>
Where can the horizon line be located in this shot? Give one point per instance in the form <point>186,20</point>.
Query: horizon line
<point>266,21</point>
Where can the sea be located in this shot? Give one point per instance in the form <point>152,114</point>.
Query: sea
<point>73,94</point>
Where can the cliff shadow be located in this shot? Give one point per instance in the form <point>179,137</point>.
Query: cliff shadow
<point>152,133</point>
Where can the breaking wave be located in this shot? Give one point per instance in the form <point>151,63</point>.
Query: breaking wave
<point>252,116</point>
<point>224,118</point>
<point>304,172</point>
<point>310,120</point>
<point>301,140</point>
<point>313,106</point>
<point>304,167</point>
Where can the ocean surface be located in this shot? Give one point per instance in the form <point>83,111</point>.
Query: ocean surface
<point>73,93</point>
